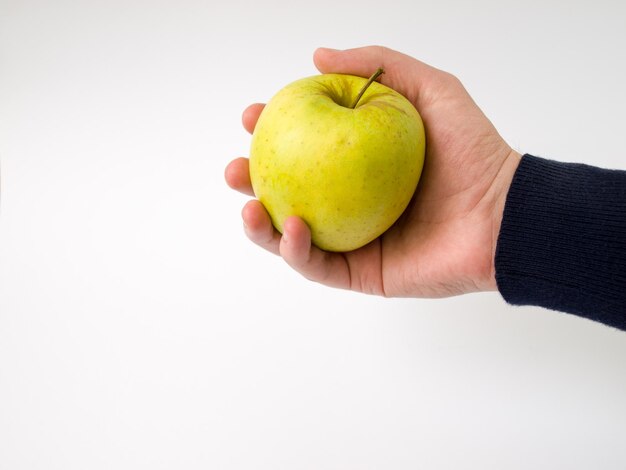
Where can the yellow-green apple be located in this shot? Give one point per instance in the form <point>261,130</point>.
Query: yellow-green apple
<point>342,152</point>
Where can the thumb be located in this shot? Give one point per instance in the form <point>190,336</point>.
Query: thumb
<point>362,61</point>
<point>403,73</point>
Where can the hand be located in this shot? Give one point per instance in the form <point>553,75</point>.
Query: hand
<point>444,243</point>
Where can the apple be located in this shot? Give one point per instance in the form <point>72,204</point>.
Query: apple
<point>342,152</point>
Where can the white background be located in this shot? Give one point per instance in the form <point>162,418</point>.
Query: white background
<point>140,329</point>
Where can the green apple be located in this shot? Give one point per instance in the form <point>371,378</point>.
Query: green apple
<point>342,152</point>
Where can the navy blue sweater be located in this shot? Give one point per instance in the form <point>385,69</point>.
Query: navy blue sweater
<point>562,244</point>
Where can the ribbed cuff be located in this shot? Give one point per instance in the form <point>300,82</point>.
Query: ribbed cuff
<point>562,243</point>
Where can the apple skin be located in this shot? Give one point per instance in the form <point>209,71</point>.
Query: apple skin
<point>348,173</point>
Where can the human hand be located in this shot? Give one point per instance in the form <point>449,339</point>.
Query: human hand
<point>444,243</point>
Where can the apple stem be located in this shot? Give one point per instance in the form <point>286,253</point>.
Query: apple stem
<point>376,74</point>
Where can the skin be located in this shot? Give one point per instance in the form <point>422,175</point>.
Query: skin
<point>444,243</point>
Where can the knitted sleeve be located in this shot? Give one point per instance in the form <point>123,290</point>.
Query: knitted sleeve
<point>562,243</point>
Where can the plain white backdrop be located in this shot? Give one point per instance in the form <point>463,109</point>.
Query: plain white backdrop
<point>139,329</point>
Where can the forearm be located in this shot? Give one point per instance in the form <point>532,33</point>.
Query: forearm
<point>562,240</point>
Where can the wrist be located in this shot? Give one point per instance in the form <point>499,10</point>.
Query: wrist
<point>501,186</point>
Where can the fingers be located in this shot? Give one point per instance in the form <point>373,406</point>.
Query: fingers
<point>295,247</point>
<point>251,116</point>
<point>258,227</point>
<point>237,173</point>
<point>313,263</point>
<point>237,176</point>
<point>295,243</point>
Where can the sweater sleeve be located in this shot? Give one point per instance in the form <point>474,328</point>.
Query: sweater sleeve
<point>562,243</point>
